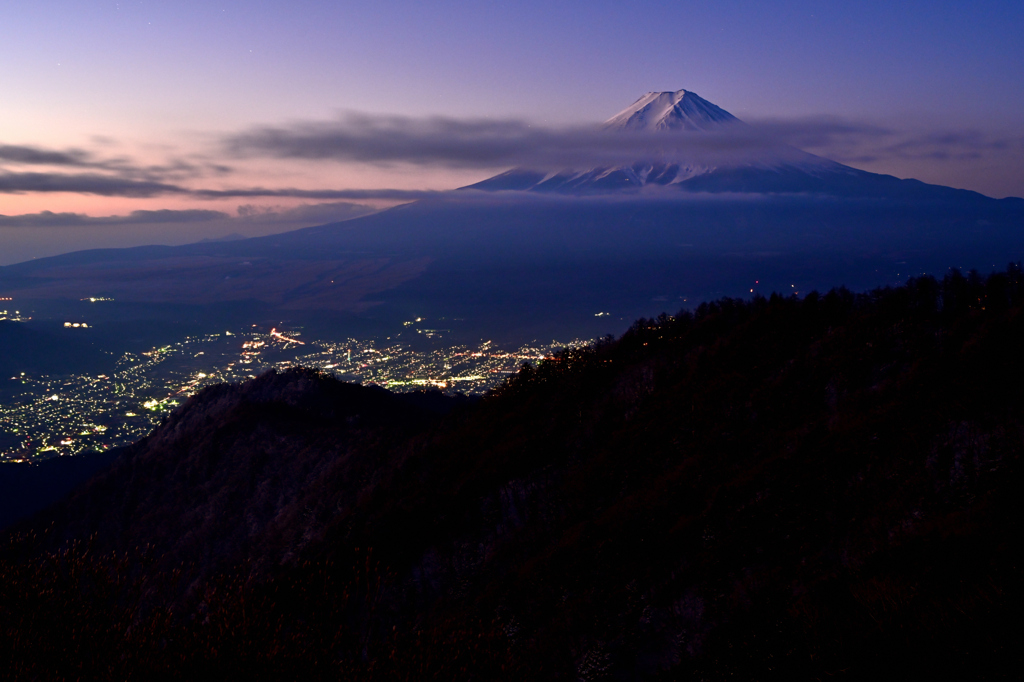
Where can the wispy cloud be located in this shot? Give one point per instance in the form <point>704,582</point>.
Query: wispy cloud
<point>32,155</point>
<point>952,146</point>
<point>497,143</point>
<point>480,143</point>
<point>172,169</point>
<point>84,183</point>
<point>820,131</point>
<point>852,141</point>
<point>160,216</point>
<point>306,213</point>
<point>117,186</point>
<point>353,194</point>
<point>476,144</point>
<point>246,213</point>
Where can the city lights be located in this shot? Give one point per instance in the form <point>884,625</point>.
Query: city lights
<point>51,416</point>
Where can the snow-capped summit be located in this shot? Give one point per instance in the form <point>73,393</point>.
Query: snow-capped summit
<point>655,114</point>
<point>680,110</point>
<point>719,153</point>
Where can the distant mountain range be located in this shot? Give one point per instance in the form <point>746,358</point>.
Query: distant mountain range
<point>538,253</point>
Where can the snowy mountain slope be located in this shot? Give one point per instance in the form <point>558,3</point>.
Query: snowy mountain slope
<point>707,150</point>
<point>680,110</point>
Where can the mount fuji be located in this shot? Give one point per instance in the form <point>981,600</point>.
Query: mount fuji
<point>680,110</point>
<point>721,154</point>
<point>538,253</point>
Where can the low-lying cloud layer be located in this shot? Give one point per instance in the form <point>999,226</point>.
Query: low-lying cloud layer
<point>353,194</point>
<point>36,155</point>
<point>249,213</point>
<point>485,145</point>
<point>84,183</point>
<point>851,141</point>
<point>51,219</point>
<point>488,144</point>
<point>115,186</point>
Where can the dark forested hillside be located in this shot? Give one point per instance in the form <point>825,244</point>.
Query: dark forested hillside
<point>777,488</point>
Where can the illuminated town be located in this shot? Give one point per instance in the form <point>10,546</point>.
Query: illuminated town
<point>49,416</point>
<point>13,315</point>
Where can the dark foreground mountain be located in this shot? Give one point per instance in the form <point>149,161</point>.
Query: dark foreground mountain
<point>26,488</point>
<point>776,488</point>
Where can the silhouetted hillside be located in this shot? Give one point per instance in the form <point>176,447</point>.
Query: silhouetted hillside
<point>778,488</point>
<point>32,351</point>
<point>230,478</point>
<point>26,488</point>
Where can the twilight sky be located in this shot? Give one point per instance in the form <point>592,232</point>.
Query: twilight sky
<point>168,121</point>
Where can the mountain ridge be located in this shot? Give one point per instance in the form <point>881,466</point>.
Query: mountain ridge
<point>794,487</point>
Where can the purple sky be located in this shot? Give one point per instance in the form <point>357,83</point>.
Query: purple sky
<point>110,108</point>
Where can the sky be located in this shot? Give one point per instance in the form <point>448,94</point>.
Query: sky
<point>170,121</point>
